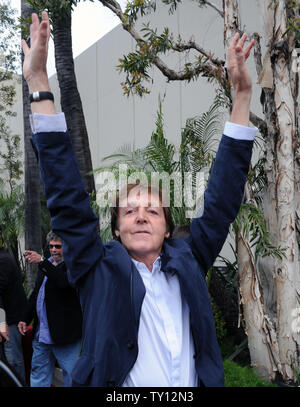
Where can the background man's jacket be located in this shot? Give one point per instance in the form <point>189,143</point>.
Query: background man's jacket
<point>111,289</point>
<point>62,304</point>
<point>12,295</point>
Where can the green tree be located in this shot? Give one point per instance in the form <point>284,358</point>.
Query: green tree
<point>60,15</point>
<point>11,192</point>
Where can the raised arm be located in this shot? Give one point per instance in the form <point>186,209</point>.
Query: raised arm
<point>35,63</point>
<point>240,78</point>
<point>72,217</point>
<point>225,189</point>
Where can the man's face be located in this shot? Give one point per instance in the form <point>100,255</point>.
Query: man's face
<point>55,247</point>
<point>141,227</point>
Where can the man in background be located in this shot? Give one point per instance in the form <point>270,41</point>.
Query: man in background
<point>12,303</point>
<point>56,310</point>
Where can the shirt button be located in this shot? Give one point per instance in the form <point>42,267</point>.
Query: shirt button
<point>130,345</point>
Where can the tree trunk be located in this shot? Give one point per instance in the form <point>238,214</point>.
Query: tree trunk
<point>282,114</point>
<point>70,99</point>
<point>259,326</point>
<point>261,334</point>
<point>33,238</point>
<point>270,289</point>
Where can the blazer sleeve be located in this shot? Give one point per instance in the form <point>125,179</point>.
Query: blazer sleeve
<point>72,217</point>
<point>222,199</point>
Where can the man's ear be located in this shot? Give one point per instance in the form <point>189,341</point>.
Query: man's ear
<point>117,233</point>
<point>167,235</point>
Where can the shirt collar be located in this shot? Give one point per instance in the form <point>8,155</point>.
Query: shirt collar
<point>52,260</point>
<point>140,265</point>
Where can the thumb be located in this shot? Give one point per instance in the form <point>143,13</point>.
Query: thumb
<point>25,47</point>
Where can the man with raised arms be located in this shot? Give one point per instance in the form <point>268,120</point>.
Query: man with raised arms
<point>147,318</point>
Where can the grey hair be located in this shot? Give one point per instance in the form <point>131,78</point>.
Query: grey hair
<point>52,236</point>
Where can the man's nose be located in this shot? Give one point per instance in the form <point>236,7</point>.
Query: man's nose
<point>141,215</point>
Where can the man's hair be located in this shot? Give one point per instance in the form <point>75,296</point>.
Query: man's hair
<point>114,210</point>
<point>52,236</point>
<point>180,232</point>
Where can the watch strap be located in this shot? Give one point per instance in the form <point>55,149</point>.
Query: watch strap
<point>37,96</point>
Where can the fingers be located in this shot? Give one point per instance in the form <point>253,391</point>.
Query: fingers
<point>39,30</point>
<point>237,44</point>
<point>241,43</point>
<point>248,48</point>
<point>22,326</point>
<point>234,41</point>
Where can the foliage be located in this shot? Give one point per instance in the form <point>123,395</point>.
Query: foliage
<point>152,45</point>
<point>9,52</point>
<point>11,194</point>
<point>9,44</point>
<point>160,156</point>
<point>238,376</point>
<point>11,219</point>
<point>10,153</point>
<point>250,222</point>
<point>294,20</point>
<point>220,323</point>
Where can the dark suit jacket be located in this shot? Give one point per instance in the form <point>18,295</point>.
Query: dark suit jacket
<point>111,288</point>
<point>12,295</point>
<point>62,304</point>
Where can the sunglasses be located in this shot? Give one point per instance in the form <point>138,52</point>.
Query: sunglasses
<point>57,246</point>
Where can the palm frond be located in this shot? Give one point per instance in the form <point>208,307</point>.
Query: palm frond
<point>250,222</point>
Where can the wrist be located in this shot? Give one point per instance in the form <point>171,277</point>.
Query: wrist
<point>38,84</point>
<point>242,96</point>
<point>240,113</point>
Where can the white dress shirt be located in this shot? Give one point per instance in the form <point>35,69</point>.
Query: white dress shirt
<point>165,340</point>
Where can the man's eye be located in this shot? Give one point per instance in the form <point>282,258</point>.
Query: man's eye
<point>153,211</point>
<point>128,211</point>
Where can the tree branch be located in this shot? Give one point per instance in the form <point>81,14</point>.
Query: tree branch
<point>257,54</point>
<point>193,45</point>
<point>114,6</point>
<point>214,7</point>
<point>259,123</point>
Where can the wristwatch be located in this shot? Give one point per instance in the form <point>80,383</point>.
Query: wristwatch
<point>37,96</point>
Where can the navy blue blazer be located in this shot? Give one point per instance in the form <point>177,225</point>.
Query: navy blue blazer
<point>110,287</point>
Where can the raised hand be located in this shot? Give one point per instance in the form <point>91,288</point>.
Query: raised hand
<point>240,78</point>
<point>35,61</point>
<point>236,64</point>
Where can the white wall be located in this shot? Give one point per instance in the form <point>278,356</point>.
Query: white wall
<point>113,119</point>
